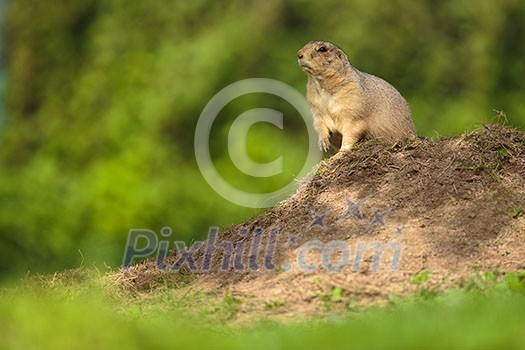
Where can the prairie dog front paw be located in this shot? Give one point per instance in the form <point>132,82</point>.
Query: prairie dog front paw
<point>324,144</point>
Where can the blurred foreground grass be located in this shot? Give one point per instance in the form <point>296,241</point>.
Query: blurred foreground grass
<point>76,312</point>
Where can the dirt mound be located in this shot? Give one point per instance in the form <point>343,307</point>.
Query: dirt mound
<point>371,224</point>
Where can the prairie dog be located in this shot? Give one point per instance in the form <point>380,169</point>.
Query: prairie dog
<point>349,105</point>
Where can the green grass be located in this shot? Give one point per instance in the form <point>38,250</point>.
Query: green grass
<point>488,312</point>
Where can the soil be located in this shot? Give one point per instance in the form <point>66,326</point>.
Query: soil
<point>448,208</point>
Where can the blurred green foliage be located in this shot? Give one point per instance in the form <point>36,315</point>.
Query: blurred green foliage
<point>103,97</point>
<point>65,312</point>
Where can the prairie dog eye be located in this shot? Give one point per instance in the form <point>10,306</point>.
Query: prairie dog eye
<point>322,49</point>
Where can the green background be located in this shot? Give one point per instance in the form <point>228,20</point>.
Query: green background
<point>102,98</point>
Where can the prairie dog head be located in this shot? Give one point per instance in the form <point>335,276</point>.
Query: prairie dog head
<point>322,59</point>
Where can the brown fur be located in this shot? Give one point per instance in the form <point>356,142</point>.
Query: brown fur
<point>349,105</point>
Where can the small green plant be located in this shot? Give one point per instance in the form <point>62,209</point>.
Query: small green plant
<point>501,117</point>
<point>280,269</point>
<point>394,299</point>
<point>503,153</point>
<point>515,281</point>
<point>336,295</point>
<point>491,170</point>
<point>420,278</point>
<point>230,306</point>
<point>517,213</point>
<point>483,280</point>
<point>352,305</point>
<point>328,298</point>
<point>274,304</point>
